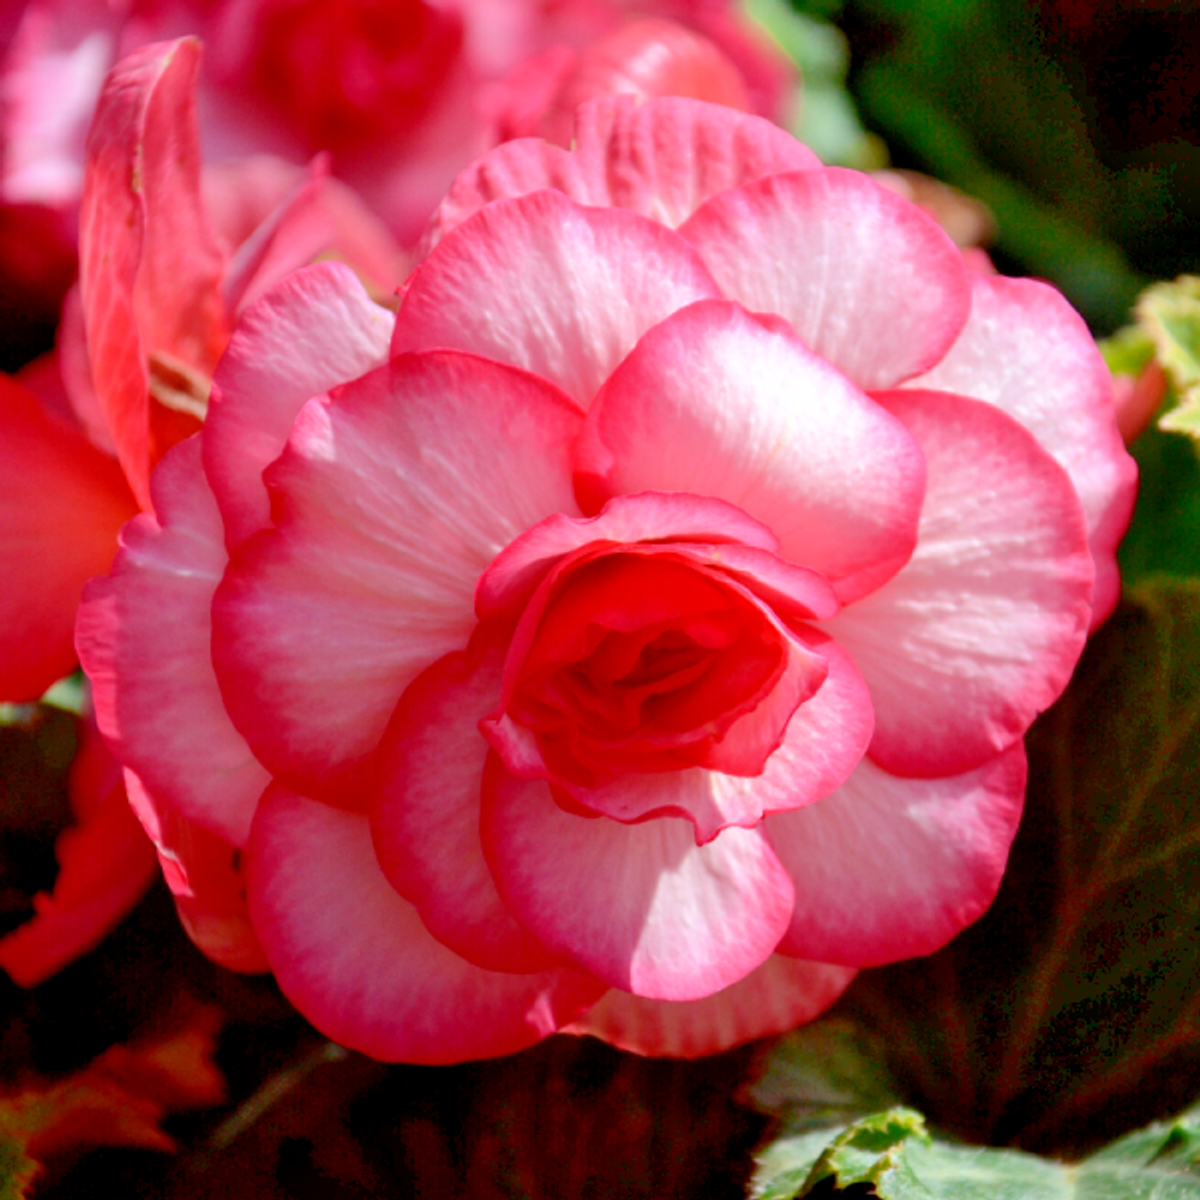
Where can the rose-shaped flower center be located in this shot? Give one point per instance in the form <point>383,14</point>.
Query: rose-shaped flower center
<point>643,660</point>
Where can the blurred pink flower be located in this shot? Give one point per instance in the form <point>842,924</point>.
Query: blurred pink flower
<point>398,92</point>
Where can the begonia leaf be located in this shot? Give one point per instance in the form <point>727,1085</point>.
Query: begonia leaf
<point>1070,1011</point>
<point>1170,315</point>
<point>824,1149</point>
<point>1164,535</point>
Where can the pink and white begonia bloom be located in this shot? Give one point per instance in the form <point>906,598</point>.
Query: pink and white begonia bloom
<point>636,634</point>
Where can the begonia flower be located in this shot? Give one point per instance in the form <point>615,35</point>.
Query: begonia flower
<point>636,633</point>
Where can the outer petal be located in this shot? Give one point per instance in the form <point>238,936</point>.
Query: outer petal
<point>105,866</point>
<point>868,280</point>
<point>889,868</point>
<point>149,265</point>
<point>206,876</point>
<point>391,499</point>
<point>539,282</point>
<point>1027,351</point>
<point>981,630</point>
<point>772,999</point>
<point>145,639</point>
<point>355,959</point>
<point>262,382</point>
<point>425,818</point>
<point>640,906</point>
<point>824,742</point>
<point>62,502</point>
<point>722,403</point>
<point>663,158</point>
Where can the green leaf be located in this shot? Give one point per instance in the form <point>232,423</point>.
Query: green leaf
<point>1170,315</point>
<point>1072,1009</point>
<point>893,1153</point>
<point>1164,536</point>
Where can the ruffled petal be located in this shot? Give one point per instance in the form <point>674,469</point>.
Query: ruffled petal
<point>354,957</point>
<point>773,998</point>
<point>391,499</point>
<point>868,281</point>
<point>640,906</point>
<point>889,868</point>
<point>542,283</point>
<point>145,639</point>
<point>62,502</point>
<point>719,402</point>
<point>981,630</point>
<point>149,266</point>
<point>425,817</point>
<point>1027,351</point>
<point>662,158</point>
<point>262,382</point>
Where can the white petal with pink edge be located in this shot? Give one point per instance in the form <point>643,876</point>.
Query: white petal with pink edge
<point>981,630</point>
<point>824,742</point>
<point>542,283</point>
<point>889,868</point>
<point>392,497</point>
<point>425,815</point>
<point>662,158</point>
<point>726,404</point>
<point>640,906</point>
<point>1026,350</point>
<point>354,957</point>
<point>867,279</point>
<point>666,157</point>
<point>264,379</point>
<point>778,996</point>
<point>144,637</point>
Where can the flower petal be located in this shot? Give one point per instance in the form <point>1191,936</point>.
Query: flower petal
<point>425,818</point>
<point>262,382</point>
<point>889,868</point>
<point>640,906</point>
<point>546,285</point>
<point>719,402</point>
<point>353,956</point>
<point>145,638</point>
<point>869,281</point>
<point>1028,352</point>
<point>778,996</point>
<point>207,881</point>
<point>62,502</point>
<point>149,265</point>
<point>662,158</point>
<point>981,630</point>
<point>392,497</point>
